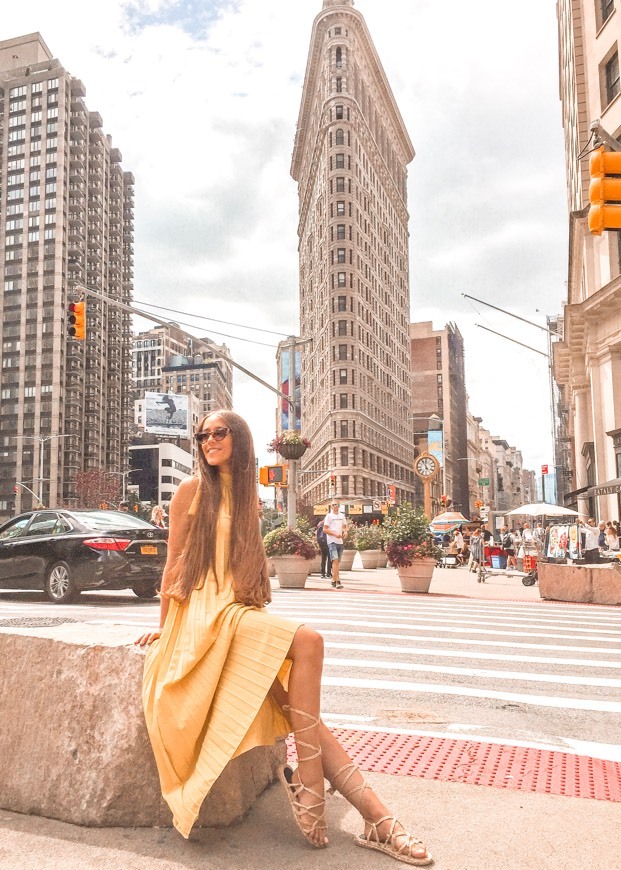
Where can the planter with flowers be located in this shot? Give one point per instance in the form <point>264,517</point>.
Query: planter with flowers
<point>410,547</point>
<point>291,551</point>
<point>369,545</point>
<point>289,444</point>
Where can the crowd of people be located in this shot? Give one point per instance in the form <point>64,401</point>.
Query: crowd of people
<point>602,538</point>
<point>468,545</point>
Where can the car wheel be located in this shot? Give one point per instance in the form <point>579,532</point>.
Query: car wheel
<point>145,589</point>
<point>59,586</point>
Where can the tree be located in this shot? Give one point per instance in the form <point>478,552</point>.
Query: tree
<point>97,487</point>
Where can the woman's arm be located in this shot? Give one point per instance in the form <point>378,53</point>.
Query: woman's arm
<point>179,524</point>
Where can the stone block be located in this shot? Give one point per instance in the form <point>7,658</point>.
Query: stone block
<point>606,585</point>
<point>73,741</point>
<point>565,582</point>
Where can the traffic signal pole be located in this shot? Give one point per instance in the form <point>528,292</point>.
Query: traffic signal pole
<point>148,316</point>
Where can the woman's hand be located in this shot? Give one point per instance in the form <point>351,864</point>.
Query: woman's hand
<point>148,638</point>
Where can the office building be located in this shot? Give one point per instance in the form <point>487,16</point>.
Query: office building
<point>67,224</point>
<point>166,359</point>
<point>440,404</point>
<point>350,162</point>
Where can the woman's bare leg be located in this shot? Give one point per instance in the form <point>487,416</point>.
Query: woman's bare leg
<point>361,797</point>
<point>304,694</point>
<point>306,653</point>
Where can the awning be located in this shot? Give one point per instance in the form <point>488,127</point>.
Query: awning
<point>575,492</point>
<point>611,487</point>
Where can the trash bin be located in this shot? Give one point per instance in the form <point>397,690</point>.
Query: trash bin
<point>499,561</point>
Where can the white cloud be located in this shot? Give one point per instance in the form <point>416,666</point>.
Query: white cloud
<point>204,113</point>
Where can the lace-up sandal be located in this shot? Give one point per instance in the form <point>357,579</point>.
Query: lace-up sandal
<point>308,817</point>
<point>398,844</point>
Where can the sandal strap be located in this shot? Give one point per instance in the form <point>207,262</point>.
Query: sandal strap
<point>314,721</point>
<point>391,838</point>
<point>314,813</point>
<point>351,769</point>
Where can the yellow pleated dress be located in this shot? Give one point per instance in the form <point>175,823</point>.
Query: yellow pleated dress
<point>206,683</point>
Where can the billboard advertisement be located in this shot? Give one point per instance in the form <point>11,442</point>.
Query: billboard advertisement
<point>167,414</point>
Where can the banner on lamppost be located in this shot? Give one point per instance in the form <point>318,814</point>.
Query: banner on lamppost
<point>435,445</point>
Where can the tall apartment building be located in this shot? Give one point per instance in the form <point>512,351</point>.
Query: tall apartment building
<point>349,160</point>
<point>587,361</point>
<point>166,359</point>
<point>66,222</point>
<point>439,388</point>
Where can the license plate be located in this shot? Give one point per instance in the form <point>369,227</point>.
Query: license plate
<point>148,551</point>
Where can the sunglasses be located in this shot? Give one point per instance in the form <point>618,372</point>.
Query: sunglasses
<point>217,434</point>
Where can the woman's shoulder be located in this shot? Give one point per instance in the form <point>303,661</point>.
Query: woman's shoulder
<point>185,494</point>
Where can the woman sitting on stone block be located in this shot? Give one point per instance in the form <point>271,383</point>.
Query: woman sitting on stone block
<point>223,674</point>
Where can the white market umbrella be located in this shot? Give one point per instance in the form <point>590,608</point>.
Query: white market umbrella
<point>542,509</point>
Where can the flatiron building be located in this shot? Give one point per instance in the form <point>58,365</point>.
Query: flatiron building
<point>350,163</point>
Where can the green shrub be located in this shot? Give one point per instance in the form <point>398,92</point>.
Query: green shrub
<point>408,538</point>
<point>288,542</point>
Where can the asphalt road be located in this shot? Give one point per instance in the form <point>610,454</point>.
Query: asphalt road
<point>517,672</point>
<point>489,662</point>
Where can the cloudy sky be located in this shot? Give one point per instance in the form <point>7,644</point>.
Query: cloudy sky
<point>202,98</point>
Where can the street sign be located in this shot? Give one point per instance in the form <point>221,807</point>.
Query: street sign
<point>544,469</point>
<point>484,481</point>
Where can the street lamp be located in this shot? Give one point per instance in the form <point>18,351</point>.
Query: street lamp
<point>293,342</point>
<point>123,474</point>
<point>41,439</point>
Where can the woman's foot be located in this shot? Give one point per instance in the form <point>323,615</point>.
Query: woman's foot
<point>307,802</point>
<point>389,836</point>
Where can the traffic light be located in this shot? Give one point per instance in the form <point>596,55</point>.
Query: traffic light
<point>273,475</point>
<point>605,191</point>
<point>333,480</point>
<point>76,318</point>
<point>16,489</point>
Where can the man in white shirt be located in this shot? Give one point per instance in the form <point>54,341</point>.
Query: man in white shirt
<point>591,541</point>
<point>335,530</point>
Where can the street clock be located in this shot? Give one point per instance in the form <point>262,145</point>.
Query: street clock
<point>426,466</point>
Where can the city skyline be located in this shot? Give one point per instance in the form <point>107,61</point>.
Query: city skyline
<point>489,164</point>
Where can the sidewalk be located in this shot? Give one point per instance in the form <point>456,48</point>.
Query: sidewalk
<point>501,585</point>
<point>466,826</point>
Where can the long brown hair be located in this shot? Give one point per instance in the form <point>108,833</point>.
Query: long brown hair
<point>247,561</point>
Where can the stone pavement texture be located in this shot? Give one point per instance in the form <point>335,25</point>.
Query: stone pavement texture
<point>467,827</point>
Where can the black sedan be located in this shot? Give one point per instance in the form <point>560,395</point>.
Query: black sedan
<point>65,552</point>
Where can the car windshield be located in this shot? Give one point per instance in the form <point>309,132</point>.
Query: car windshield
<point>101,521</point>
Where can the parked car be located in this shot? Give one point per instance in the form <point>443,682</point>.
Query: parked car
<point>65,552</point>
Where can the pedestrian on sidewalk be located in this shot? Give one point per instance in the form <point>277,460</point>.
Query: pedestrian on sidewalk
<point>591,541</point>
<point>477,550</point>
<point>223,675</point>
<point>326,561</point>
<point>508,545</point>
<point>458,538</point>
<point>335,530</point>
